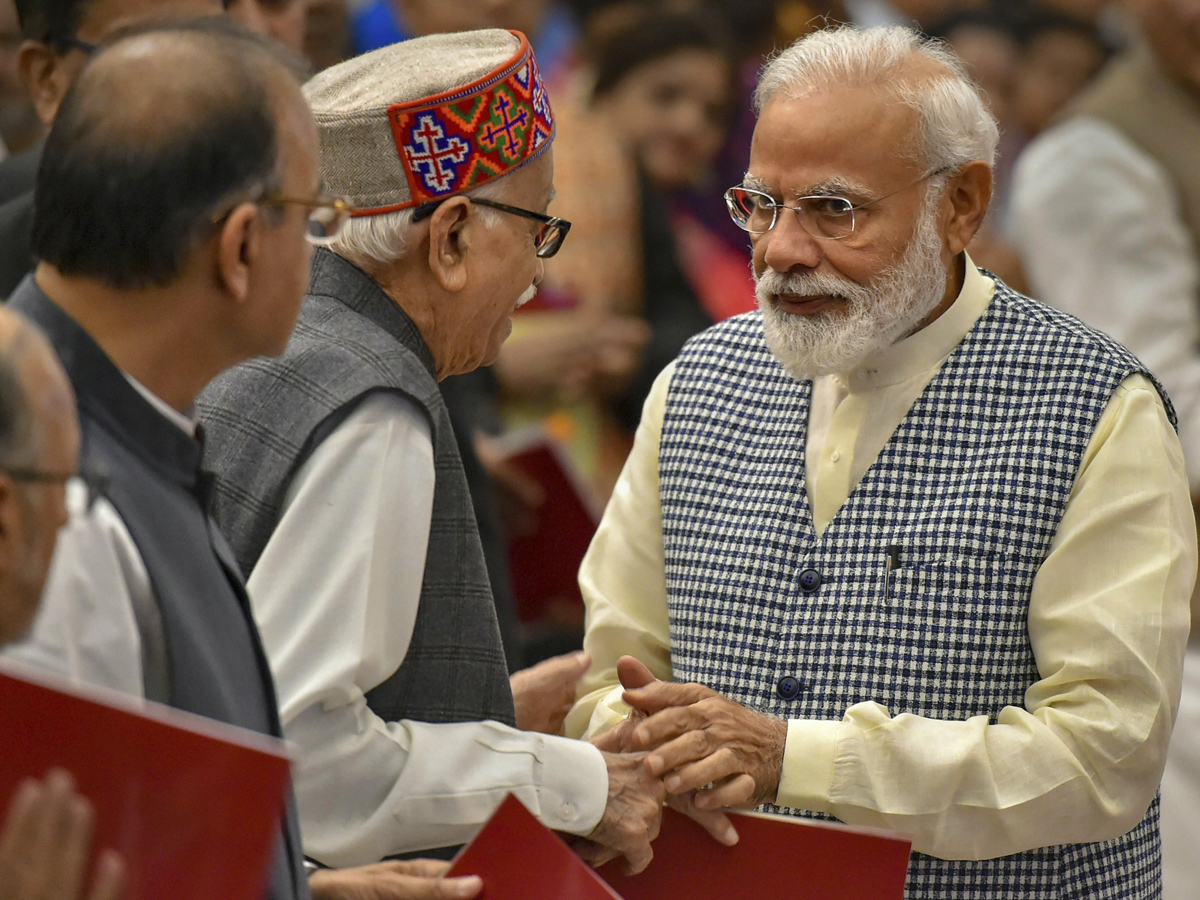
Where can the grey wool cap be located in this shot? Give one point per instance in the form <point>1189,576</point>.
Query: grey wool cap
<point>429,117</point>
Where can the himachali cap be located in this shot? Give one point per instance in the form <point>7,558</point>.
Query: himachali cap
<point>393,138</point>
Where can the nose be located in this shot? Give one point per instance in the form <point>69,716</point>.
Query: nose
<point>540,272</point>
<point>788,245</point>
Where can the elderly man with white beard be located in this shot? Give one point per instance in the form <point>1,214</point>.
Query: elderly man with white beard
<point>903,548</point>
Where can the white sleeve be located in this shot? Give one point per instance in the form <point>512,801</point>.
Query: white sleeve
<point>86,627</point>
<point>1100,232</point>
<point>335,594</point>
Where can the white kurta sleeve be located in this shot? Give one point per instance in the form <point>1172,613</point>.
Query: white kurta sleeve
<point>1099,229</point>
<point>335,593</point>
<point>87,628</point>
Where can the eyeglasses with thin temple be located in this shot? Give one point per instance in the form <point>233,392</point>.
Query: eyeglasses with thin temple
<point>88,482</point>
<point>326,215</point>
<point>546,242</point>
<point>827,216</point>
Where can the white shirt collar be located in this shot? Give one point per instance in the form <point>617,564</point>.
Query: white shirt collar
<point>187,424</point>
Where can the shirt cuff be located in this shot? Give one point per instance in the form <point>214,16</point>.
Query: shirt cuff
<point>808,756</point>
<point>574,785</point>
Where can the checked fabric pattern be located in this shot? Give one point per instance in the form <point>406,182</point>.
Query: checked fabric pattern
<point>460,140</point>
<point>971,486</point>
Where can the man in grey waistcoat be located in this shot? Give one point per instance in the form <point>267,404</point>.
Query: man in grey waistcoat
<point>903,547</point>
<point>340,484</point>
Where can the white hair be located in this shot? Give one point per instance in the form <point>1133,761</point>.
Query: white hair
<point>382,240</point>
<point>956,126</point>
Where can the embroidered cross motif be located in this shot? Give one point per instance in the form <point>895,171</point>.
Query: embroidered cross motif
<point>507,127</point>
<point>433,155</point>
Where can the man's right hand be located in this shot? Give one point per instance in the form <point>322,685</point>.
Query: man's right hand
<point>46,842</point>
<point>631,817</point>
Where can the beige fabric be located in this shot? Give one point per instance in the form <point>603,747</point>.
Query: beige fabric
<point>350,102</point>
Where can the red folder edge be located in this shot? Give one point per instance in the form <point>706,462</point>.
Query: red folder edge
<point>776,856</point>
<point>192,805</point>
<point>519,858</point>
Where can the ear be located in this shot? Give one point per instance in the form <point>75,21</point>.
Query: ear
<point>969,193</point>
<point>238,245</point>
<point>450,242</point>
<point>38,65</point>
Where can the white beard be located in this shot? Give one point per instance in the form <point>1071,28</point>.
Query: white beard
<point>529,294</point>
<point>876,315</point>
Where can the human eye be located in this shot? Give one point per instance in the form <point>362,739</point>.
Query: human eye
<point>830,207</point>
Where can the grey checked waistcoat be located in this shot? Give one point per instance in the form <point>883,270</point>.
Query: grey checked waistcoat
<point>264,418</point>
<point>970,487</point>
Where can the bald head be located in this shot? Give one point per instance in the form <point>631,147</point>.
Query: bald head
<point>39,448</point>
<point>163,128</point>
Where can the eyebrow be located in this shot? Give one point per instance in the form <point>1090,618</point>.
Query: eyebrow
<point>828,187</point>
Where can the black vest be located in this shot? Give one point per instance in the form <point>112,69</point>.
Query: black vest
<point>217,667</point>
<point>265,417</point>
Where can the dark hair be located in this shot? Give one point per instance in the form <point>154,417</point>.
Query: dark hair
<point>122,199</point>
<point>633,36</point>
<point>47,20</point>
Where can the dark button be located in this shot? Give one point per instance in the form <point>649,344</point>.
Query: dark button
<point>810,580</point>
<point>788,687</point>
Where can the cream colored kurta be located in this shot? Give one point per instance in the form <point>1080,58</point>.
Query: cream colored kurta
<point>1108,622</point>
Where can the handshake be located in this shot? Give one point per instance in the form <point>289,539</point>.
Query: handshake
<point>688,747</point>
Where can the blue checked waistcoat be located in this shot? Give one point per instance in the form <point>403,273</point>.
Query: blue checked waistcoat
<point>970,487</point>
<point>264,418</point>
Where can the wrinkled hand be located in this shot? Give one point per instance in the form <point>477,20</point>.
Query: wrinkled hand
<point>703,742</point>
<point>45,845</point>
<point>413,879</point>
<point>544,694</point>
<point>631,817</point>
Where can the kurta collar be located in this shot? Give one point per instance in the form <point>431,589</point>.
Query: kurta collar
<point>336,277</point>
<point>926,348</point>
<point>105,395</point>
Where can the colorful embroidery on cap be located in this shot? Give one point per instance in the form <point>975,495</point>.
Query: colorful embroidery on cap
<point>463,138</point>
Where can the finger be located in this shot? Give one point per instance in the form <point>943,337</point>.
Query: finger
<point>74,842</point>
<point>714,821</point>
<point>736,791</point>
<point>109,882</point>
<point>634,673</point>
<point>667,725</point>
<point>422,868</point>
<point>662,695</point>
<point>594,854</point>
<point>689,747</point>
<point>21,822</point>
<point>715,767</point>
<point>637,858</point>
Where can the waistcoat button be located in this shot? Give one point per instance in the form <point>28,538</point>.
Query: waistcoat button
<point>788,687</point>
<point>810,580</point>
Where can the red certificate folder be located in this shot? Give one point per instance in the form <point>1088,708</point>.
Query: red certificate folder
<point>519,858</point>
<point>780,857</point>
<point>192,805</point>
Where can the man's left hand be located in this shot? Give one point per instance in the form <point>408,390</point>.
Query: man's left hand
<point>704,742</point>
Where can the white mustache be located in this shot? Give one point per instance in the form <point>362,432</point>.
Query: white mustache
<point>803,284</point>
<point>529,294</point>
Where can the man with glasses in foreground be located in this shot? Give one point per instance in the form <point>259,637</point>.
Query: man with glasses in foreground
<point>340,485</point>
<point>904,547</point>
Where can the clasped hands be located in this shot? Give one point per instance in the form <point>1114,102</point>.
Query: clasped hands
<point>689,747</point>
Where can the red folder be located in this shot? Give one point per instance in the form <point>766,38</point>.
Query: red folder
<point>776,856</point>
<point>545,561</point>
<point>519,858</point>
<point>193,806</point>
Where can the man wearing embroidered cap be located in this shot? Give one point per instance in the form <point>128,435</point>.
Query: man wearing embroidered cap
<point>340,485</point>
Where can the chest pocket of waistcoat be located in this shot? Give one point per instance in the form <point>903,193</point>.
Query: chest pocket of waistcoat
<point>956,634</point>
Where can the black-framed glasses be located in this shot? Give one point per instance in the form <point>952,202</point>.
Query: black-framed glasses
<point>827,216</point>
<point>546,242</point>
<point>93,480</point>
<point>326,217</point>
<point>71,42</point>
